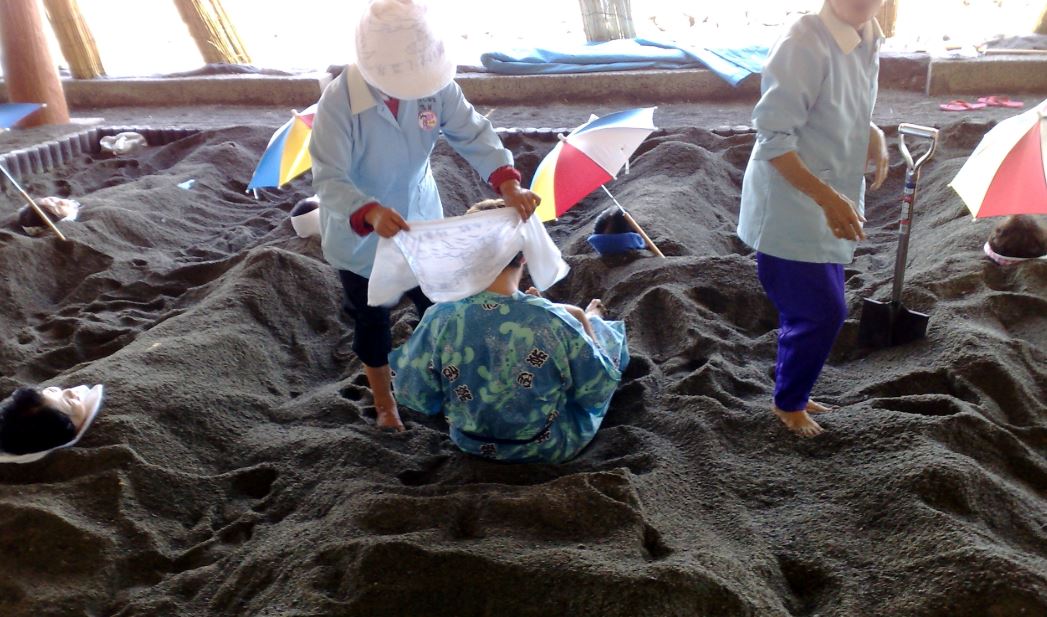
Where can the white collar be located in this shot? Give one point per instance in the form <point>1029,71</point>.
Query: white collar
<point>847,38</point>
<point>360,96</point>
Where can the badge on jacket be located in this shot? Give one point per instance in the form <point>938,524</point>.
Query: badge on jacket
<point>426,116</point>
<point>427,120</point>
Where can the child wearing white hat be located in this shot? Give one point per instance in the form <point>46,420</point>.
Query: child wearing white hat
<point>375,127</point>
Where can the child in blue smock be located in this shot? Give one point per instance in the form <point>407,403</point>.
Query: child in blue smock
<point>375,127</point>
<point>804,189</point>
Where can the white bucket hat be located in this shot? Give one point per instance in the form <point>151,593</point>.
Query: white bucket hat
<point>399,51</point>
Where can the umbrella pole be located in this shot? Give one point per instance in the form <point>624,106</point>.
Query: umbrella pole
<point>29,200</point>
<point>636,226</point>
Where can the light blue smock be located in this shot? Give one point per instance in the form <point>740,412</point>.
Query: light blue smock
<point>516,376</point>
<point>362,154</point>
<point>818,92</point>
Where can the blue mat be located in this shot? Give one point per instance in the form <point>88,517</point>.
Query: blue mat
<point>732,64</point>
<point>11,113</point>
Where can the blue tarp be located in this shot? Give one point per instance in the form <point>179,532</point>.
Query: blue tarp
<point>732,64</point>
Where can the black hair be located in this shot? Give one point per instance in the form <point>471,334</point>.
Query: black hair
<point>611,221</point>
<point>305,206</point>
<point>28,424</point>
<point>28,218</point>
<point>1019,236</point>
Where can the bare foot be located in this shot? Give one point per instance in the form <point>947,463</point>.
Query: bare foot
<point>814,407</point>
<point>380,378</point>
<point>799,422</point>
<point>595,308</point>
<point>533,291</point>
<point>388,415</point>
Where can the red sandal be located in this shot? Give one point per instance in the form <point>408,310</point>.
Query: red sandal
<point>962,105</point>
<point>1001,101</point>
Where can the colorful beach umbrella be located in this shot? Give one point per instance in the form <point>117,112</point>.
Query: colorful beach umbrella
<point>588,158</point>
<point>1007,172</point>
<point>11,113</point>
<point>287,155</point>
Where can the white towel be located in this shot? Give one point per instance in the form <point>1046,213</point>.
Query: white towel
<point>457,257</point>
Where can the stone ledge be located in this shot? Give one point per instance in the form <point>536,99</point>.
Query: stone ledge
<point>684,85</point>
<point>296,91</point>
<point>987,75</point>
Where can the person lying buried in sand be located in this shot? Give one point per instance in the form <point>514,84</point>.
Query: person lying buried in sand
<point>34,420</point>
<point>56,209</point>
<point>612,234</point>
<point>804,188</point>
<point>518,377</point>
<point>375,127</point>
<point>1016,239</point>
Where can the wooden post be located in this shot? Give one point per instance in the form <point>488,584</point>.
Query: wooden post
<point>607,20</point>
<point>213,31</point>
<point>888,17</point>
<point>74,37</point>
<point>31,75</point>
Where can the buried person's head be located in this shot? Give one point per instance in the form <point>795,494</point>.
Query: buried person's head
<point>34,420</point>
<point>1018,237</point>
<point>612,233</point>
<point>56,209</point>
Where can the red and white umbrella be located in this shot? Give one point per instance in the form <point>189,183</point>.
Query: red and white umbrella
<point>1007,173</point>
<point>588,158</point>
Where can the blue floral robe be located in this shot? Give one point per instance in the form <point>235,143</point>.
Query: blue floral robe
<point>516,376</point>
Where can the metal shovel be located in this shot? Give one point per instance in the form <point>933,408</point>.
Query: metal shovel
<point>885,324</point>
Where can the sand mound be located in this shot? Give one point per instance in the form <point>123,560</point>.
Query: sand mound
<point>235,470</point>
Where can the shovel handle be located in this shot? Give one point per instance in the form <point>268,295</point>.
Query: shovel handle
<point>912,181</point>
<point>923,132</point>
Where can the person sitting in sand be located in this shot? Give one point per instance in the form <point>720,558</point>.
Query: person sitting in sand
<point>519,378</point>
<point>34,420</point>
<point>804,187</point>
<point>1017,238</point>
<point>613,235</point>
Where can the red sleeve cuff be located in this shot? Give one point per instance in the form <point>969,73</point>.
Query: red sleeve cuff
<point>503,173</point>
<point>358,222</point>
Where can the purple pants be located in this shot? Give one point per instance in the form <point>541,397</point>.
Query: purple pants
<point>811,310</point>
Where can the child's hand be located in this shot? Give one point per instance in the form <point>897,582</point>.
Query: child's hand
<point>520,199</point>
<point>876,157</point>
<point>386,222</point>
<point>841,216</point>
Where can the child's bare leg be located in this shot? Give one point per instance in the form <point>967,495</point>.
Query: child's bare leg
<point>381,381</point>
<point>799,422</point>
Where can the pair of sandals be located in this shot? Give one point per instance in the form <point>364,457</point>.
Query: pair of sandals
<point>982,103</point>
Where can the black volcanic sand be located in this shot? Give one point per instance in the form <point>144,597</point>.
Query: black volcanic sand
<point>235,469</point>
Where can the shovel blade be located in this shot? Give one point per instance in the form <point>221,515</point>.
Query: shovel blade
<point>886,324</point>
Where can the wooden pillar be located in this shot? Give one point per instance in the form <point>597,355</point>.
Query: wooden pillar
<point>213,31</point>
<point>74,37</point>
<point>607,20</point>
<point>888,17</point>
<point>31,75</point>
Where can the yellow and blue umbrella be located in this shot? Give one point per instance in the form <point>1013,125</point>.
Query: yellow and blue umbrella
<point>287,155</point>
<point>588,158</point>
